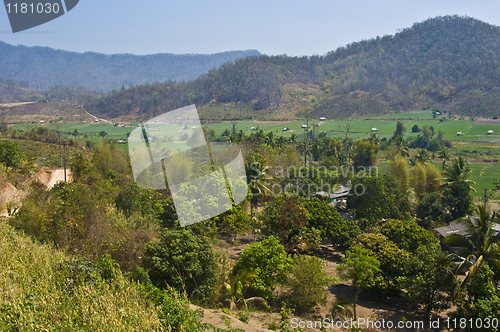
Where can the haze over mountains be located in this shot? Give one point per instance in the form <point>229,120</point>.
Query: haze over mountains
<point>450,62</point>
<point>44,67</point>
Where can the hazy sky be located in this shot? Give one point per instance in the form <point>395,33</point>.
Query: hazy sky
<point>272,26</point>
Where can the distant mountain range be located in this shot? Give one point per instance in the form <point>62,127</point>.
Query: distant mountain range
<point>42,68</point>
<point>450,62</point>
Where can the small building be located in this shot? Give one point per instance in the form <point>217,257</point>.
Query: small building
<point>120,141</point>
<point>285,129</point>
<point>41,121</point>
<point>460,229</point>
<point>459,133</point>
<point>304,126</point>
<point>96,120</point>
<point>253,128</point>
<point>123,126</point>
<point>438,113</point>
<point>374,129</point>
<point>491,132</point>
<point>322,118</point>
<point>341,193</point>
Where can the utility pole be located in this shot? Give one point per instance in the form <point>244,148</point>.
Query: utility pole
<point>60,149</point>
<point>64,146</point>
<point>485,197</point>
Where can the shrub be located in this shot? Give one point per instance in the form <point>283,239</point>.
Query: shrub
<point>268,261</point>
<point>408,235</point>
<point>394,262</point>
<point>184,261</point>
<point>10,153</point>
<point>332,226</point>
<point>306,283</point>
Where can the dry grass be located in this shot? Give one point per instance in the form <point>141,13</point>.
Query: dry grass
<point>37,295</point>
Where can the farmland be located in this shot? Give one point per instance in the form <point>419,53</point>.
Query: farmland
<point>480,149</point>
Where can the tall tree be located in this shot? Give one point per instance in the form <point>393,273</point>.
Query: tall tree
<point>457,171</point>
<point>400,130</point>
<point>257,179</point>
<point>361,268</point>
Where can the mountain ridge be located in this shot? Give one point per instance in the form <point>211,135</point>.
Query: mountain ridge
<point>43,67</point>
<point>431,63</point>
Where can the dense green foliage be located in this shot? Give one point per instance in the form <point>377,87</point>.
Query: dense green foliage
<point>270,263</point>
<point>394,262</point>
<point>377,197</point>
<point>10,153</point>
<point>480,302</point>
<point>183,261</point>
<point>282,216</point>
<point>49,290</point>
<point>306,283</point>
<point>408,235</point>
<point>338,231</point>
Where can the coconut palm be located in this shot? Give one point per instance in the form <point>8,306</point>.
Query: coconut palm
<point>400,146</point>
<point>257,179</point>
<point>480,245</point>
<point>237,284</point>
<point>293,138</point>
<point>457,171</point>
<point>445,154</point>
<point>422,157</point>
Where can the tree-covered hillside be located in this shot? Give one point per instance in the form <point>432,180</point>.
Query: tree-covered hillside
<point>440,61</point>
<point>44,67</point>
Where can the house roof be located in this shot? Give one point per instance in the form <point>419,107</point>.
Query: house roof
<point>459,228</point>
<point>342,191</point>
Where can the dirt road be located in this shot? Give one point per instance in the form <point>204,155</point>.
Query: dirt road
<point>51,177</point>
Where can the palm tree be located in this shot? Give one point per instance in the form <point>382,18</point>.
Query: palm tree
<point>456,172</point>
<point>257,177</point>
<point>445,154</point>
<point>235,287</point>
<point>400,147</point>
<point>293,138</point>
<point>421,157</point>
<point>480,245</point>
<point>374,138</point>
<point>280,141</point>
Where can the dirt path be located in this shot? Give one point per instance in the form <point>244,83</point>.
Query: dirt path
<point>58,175</point>
<point>51,176</point>
<point>100,119</point>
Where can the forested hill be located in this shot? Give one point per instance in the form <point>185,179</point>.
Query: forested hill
<point>453,61</point>
<point>44,67</point>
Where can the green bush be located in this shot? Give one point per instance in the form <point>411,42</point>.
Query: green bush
<point>408,235</point>
<point>333,227</point>
<point>10,153</point>
<point>306,284</point>
<point>184,261</point>
<point>268,261</point>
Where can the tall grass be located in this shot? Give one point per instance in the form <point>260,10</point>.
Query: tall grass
<point>38,293</point>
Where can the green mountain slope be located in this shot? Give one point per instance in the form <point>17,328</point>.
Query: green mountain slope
<point>448,61</point>
<point>43,67</point>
